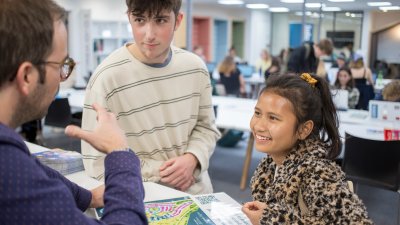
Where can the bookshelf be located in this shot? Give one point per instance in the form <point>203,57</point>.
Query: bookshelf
<point>108,36</point>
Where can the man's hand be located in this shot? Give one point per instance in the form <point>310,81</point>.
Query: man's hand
<point>254,211</point>
<point>178,172</point>
<point>106,137</point>
<point>97,197</point>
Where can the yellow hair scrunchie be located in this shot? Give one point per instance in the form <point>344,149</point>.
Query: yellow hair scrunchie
<point>307,77</point>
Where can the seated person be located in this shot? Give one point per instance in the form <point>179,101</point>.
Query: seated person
<point>264,62</point>
<point>345,81</point>
<point>231,77</point>
<point>274,68</point>
<point>391,92</point>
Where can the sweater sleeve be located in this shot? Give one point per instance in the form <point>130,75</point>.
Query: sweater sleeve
<point>205,134</point>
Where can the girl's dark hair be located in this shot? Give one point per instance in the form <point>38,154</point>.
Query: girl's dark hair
<point>350,83</point>
<point>310,103</point>
<point>153,7</point>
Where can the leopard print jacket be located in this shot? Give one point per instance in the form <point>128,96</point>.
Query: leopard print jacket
<point>322,183</point>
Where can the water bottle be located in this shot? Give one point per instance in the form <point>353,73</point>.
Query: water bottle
<point>379,79</point>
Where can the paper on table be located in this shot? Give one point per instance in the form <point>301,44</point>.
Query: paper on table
<point>222,209</point>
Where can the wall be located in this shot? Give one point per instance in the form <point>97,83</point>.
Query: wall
<point>259,29</point>
<point>383,20</point>
<point>389,45</point>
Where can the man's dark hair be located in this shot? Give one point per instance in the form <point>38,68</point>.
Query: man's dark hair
<point>153,7</point>
<point>26,31</point>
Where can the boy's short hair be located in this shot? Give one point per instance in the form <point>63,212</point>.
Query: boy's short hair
<point>326,46</point>
<point>153,7</point>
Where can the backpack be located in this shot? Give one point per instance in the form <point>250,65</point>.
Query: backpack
<point>230,138</point>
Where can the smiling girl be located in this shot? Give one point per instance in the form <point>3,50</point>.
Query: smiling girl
<point>298,182</point>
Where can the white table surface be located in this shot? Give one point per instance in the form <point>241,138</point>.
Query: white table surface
<point>153,191</point>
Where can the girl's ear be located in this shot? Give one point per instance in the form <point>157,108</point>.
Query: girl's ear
<point>305,129</point>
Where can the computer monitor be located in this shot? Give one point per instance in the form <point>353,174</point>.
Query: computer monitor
<point>246,70</point>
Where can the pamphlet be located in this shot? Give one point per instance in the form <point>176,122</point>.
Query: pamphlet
<point>178,211</point>
<point>65,162</point>
<point>222,209</point>
<point>207,209</point>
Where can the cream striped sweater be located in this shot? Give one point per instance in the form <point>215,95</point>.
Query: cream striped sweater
<point>165,112</point>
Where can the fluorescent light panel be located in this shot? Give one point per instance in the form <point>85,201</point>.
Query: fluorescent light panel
<point>341,0</point>
<point>387,8</point>
<point>313,5</point>
<point>292,1</point>
<point>257,6</point>
<point>231,2</point>
<point>331,9</point>
<point>278,9</point>
<point>379,3</point>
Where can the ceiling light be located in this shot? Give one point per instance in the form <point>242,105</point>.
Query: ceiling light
<point>292,1</point>
<point>257,6</point>
<point>387,8</point>
<point>379,3</point>
<point>314,5</point>
<point>331,9</point>
<point>278,9</point>
<point>341,0</point>
<point>231,2</point>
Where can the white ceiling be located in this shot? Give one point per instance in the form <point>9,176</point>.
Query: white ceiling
<point>357,5</point>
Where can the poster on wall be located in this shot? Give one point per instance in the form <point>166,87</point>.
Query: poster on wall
<point>295,39</point>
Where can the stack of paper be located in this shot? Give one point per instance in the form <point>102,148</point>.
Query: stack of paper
<point>65,162</point>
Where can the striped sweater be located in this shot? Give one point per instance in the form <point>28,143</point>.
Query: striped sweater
<point>165,112</point>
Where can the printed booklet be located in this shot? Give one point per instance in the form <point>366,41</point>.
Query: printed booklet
<point>214,209</point>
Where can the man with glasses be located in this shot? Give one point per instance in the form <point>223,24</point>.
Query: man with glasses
<point>33,53</point>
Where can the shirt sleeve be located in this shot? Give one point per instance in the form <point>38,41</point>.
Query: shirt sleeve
<point>30,194</point>
<point>82,196</point>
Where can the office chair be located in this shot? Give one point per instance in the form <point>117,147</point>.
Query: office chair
<point>372,162</point>
<point>59,114</point>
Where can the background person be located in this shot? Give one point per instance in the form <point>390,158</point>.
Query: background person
<point>391,91</point>
<point>307,58</point>
<point>34,59</point>
<point>345,81</point>
<point>264,62</point>
<point>286,124</point>
<point>231,77</point>
<point>162,98</point>
<point>363,81</point>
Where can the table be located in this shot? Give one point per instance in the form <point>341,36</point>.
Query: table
<point>256,82</point>
<point>153,191</point>
<point>76,98</point>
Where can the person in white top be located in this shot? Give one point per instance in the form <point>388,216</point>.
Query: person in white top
<point>162,98</point>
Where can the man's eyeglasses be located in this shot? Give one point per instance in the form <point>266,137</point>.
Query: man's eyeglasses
<point>66,67</point>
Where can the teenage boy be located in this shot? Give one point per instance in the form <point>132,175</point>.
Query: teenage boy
<point>34,59</point>
<point>162,98</point>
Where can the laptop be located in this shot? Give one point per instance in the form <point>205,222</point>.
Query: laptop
<point>340,99</point>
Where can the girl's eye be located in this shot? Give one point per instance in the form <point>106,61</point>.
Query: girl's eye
<point>256,113</point>
<point>272,118</point>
